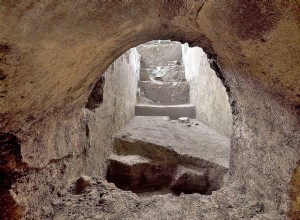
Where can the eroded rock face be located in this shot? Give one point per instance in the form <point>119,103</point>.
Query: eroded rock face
<point>206,91</point>
<point>96,97</point>
<point>82,183</point>
<point>295,194</point>
<point>51,65</point>
<point>171,93</point>
<point>10,171</point>
<point>139,174</point>
<point>117,108</point>
<point>154,55</point>
<point>143,175</point>
<point>170,73</point>
<point>190,181</point>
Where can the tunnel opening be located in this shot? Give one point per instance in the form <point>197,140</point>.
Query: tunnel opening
<point>52,53</point>
<point>169,121</point>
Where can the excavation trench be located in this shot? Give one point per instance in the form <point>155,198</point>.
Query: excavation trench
<point>156,154</point>
<point>169,142</point>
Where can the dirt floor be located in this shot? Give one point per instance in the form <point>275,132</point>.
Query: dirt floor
<point>103,200</point>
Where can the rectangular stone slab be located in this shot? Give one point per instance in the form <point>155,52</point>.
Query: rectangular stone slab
<point>173,111</point>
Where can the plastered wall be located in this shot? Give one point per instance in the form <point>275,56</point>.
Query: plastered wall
<point>119,98</point>
<point>206,90</point>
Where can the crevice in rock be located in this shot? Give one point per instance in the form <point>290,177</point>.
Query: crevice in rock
<point>214,65</point>
<point>96,97</point>
<point>11,168</point>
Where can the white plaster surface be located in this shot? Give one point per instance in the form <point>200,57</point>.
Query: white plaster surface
<point>207,92</point>
<point>117,109</point>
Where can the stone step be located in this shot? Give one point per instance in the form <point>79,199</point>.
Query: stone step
<point>172,111</point>
<point>165,93</point>
<point>139,174</point>
<point>192,144</point>
<point>154,55</point>
<point>171,73</point>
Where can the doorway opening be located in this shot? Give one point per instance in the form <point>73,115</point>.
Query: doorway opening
<point>169,121</point>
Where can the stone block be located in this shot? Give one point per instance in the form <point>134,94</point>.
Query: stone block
<point>153,55</point>
<point>139,174</point>
<point>184,120</point>
<point>172,93</point>
<point>172,111</point>
<point>189,181</point>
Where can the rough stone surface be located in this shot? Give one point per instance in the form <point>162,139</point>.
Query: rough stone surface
<point>154,55</point>
<point>199,140</point>
<point>169,73</point>
<point>52,53</point>
<point>184,120</point>
<point>117,108</point>
<point>206,91</point>
<point>10,171</point>
<point>295,193</point>
<point>167,93</point>
<point>172,111</point>
<point>138,174</point>
<point>82,183</point>
<point>190,181</point>
<point>96,97</point>
<point>163,140</point>
<point>105,201</point>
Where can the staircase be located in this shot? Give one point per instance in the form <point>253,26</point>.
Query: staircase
<point>163,87</point>
<point>154,154</point>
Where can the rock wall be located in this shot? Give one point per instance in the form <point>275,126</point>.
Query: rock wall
<point>117,108</point>
<point>207,92</point>
<point>155,54</point>
<point>162,79</point>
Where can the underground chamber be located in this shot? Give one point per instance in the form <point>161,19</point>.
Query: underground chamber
<point>175,135</point>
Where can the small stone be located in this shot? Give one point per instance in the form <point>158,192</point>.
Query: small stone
<point>98,217</point>
<point>68,203</point>
<point>189,181</point>
<point>45,208</point>
<point>82,183</point>
<point>61,193</point>
<point>184,120</point>
<point>158,77</point>
<point>55,202</point>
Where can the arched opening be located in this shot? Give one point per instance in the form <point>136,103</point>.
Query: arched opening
<point>164,120</point>
<point>52,53</point>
